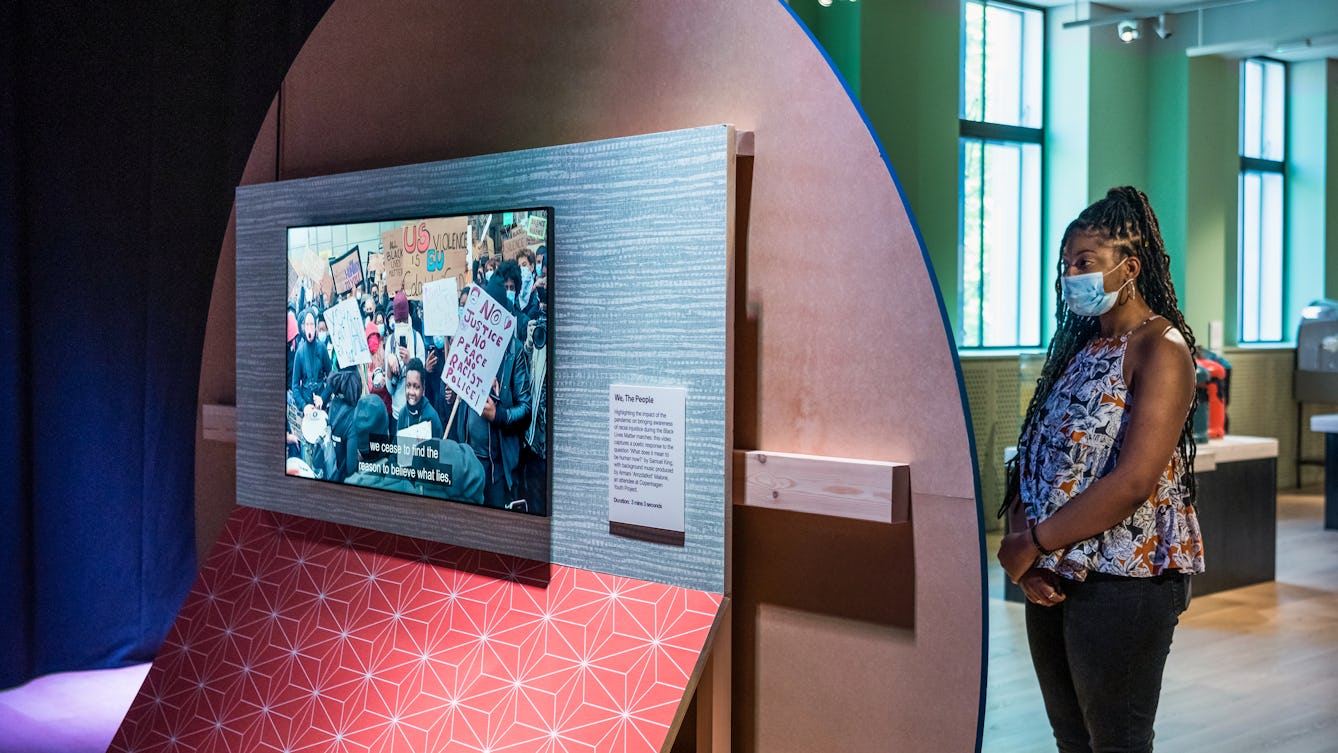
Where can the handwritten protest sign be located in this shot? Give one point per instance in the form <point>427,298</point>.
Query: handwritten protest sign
<point>310,263</point>
<point>536,226</point>
<point>421,251</point>
<point>347,270</point>
<point>517,242</point>
<point>486,328</point>
<point>441,307</point>
<point>348,333</point>
<point>391,255</point>
<point>325,287</point>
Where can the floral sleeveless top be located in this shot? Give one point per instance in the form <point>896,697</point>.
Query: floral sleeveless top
<point>1074,439</point>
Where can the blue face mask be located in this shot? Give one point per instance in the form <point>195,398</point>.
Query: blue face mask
<point>1086,295</point>
<point>526,274</point>
<point>511,297</point>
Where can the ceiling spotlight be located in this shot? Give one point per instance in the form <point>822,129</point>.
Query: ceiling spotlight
<point>1127,30</point>
<point>1163,27</point>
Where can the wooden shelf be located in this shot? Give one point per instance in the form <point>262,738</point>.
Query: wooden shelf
<point>871,490</point>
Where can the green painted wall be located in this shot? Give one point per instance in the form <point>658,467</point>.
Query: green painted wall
<point>1168,143</point>
<point>1118,134</point>
<point>1192,166</point>
<point>1212,169</point>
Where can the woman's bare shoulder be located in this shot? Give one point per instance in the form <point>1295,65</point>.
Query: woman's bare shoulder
<point>1159,346</point>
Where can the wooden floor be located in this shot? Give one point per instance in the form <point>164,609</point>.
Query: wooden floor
<point>1252,669</point>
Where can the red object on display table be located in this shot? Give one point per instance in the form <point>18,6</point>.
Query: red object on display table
<point>306,635</point>
<point>1217,396</point>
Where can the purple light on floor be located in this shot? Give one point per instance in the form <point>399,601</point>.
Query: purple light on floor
<point>69,712</point>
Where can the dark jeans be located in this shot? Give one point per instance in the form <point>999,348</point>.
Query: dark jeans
<point>1099,657</point>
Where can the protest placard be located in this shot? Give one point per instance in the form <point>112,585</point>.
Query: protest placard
<point>347,270</point>
<point>485,329</point>
<point>392,269</point>
<point>348,333</point>
<point>536,226</point>
<point>513,245</point>
<point>421,251</point>
<point>441,307</point>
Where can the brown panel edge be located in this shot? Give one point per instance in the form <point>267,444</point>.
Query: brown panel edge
<point>713,697</point>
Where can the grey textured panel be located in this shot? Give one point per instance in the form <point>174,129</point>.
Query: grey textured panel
<point>641,262</point>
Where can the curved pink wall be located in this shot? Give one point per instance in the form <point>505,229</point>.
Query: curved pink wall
<point>841,348</point>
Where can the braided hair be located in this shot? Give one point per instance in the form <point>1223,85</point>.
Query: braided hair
<point>1124,218</point>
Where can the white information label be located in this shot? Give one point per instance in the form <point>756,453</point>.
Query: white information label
<point>646,448</point>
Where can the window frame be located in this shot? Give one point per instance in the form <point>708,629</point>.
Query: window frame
<point>1262,167</point>
<point>986,133</point>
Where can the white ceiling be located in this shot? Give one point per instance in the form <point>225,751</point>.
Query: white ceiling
<point>1291,30</point>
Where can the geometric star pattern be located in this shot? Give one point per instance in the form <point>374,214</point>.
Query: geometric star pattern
<point>302,635</point>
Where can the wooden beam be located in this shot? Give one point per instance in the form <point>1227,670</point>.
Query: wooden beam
<point>872,490</point>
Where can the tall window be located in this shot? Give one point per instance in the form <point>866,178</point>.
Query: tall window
<point>1001,135</point>
<point>1263,153</point>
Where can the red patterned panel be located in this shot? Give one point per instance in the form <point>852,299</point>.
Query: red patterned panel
<point>301,635</point>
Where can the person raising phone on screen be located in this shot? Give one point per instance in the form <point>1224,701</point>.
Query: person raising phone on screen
<point>402,343</point>
<point>408,343</point>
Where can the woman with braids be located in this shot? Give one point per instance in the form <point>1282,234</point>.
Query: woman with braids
<point>1103,533</point>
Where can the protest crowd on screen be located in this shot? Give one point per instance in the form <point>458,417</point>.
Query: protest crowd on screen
<point>427,379</point>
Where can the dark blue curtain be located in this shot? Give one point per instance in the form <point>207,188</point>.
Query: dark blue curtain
<point>124,128</point>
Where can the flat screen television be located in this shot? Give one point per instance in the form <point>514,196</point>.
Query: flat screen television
<point>419,354</point>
